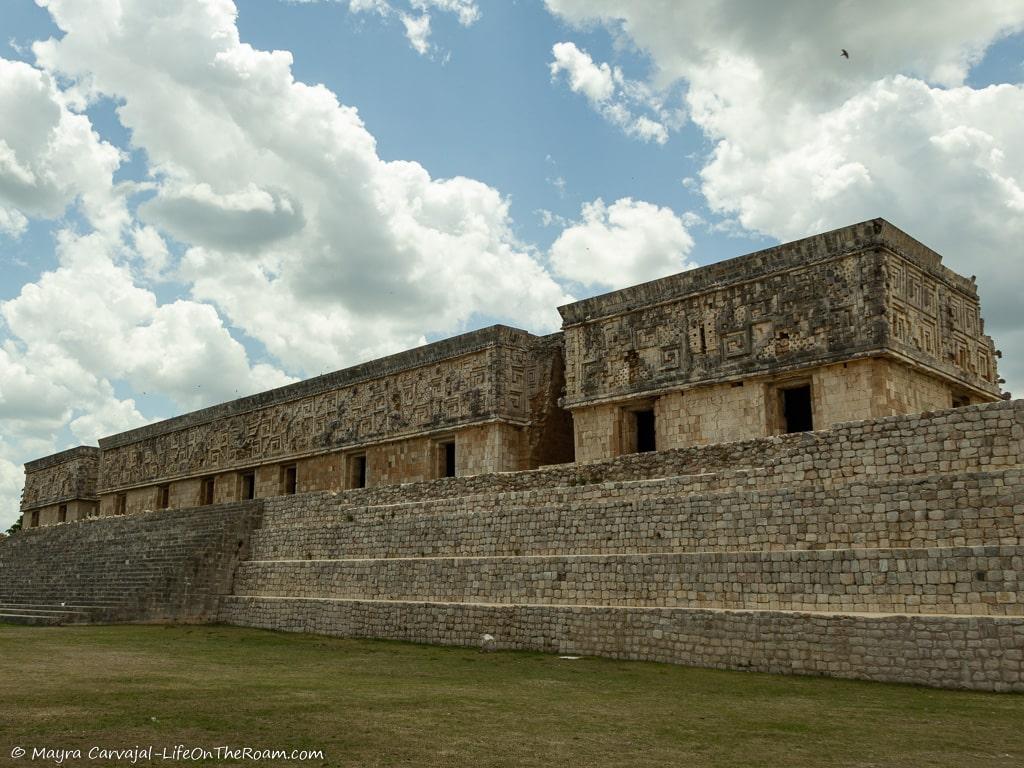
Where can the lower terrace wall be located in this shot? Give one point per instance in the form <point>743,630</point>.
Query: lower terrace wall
<point>962,580</point>
<point>173,565</point>
<point>982,653</point>
<point>678,555</point>
<point>885,550</point>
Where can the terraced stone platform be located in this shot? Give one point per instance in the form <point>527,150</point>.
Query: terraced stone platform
<point>884,550</point>
<point>887,550</point>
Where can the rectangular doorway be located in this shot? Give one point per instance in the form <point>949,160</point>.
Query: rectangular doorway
<point>645,432</point>
<point>206,491</point>
<point>797,411</point>
<point>356,471</point>
<point>247,486</point>
<point>446,458</point>
<point>289,479</point>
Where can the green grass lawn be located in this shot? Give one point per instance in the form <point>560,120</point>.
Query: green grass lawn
<point>369,703</point>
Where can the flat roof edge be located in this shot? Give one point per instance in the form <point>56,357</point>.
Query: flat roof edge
<point>849,239</point>
<point>62,457</point>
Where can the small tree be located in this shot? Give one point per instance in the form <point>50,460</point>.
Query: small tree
<point>14,528</point>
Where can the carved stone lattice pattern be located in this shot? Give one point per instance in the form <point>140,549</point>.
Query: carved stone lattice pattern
<point>66,476</point>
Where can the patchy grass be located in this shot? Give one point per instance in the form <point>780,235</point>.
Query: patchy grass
<point>374,703</point>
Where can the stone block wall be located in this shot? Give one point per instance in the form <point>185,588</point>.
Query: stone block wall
<point>979,653</point>
<point>722,512</point>
<point>873,388</point>
<point>959,580</point>
<point>888,549</point>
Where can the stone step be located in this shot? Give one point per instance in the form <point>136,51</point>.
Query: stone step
<point>980,652</point>
<point>31,619</point>
<point>73,604</point>
<point>305,508</point>
<point>63,614</point>
<point>970,509</point>
<point>956,580</point>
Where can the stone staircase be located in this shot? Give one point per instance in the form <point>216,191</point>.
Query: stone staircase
<point>887,550</point>
<point>169,565</point>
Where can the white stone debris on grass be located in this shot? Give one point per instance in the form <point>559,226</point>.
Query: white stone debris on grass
<point>487,644</point>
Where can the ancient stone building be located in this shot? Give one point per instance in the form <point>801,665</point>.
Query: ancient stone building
<point>61,488</point>
<point>861,322</point>
<point>796,461</point>
<point>485,401</point>
<point>858,323</point>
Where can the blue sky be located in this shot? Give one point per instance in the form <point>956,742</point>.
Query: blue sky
<point>185,217</point>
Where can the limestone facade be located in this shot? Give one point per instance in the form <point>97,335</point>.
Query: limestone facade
<point>859,323</point>
<point>863,321</point>
<point>485,401</point>
<point>61,488</point>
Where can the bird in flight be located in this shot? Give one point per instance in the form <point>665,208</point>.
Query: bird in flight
<point>844,53</point>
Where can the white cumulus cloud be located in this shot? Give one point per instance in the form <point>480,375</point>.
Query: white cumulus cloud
<point>805,140</point>
<point>299,232</point>
<point>627,242</point>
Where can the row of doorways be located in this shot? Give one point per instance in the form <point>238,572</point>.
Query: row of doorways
<point>795,415</point>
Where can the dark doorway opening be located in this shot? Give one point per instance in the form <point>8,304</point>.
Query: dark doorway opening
<point>120,504</point>
<point>206,491</point>
<point>357,471</point>
<point>645,439</point>
<point>448,459</point>
<point>164,497</point>
<point>248,486</point>
<point>796,409</point>
<point>62,513</point>
<point>289,479</point>
<point>35,519</point>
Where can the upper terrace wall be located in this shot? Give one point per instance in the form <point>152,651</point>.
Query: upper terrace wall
<point>494,374</point>
<point>988,436</point>
<point>861,290</point>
